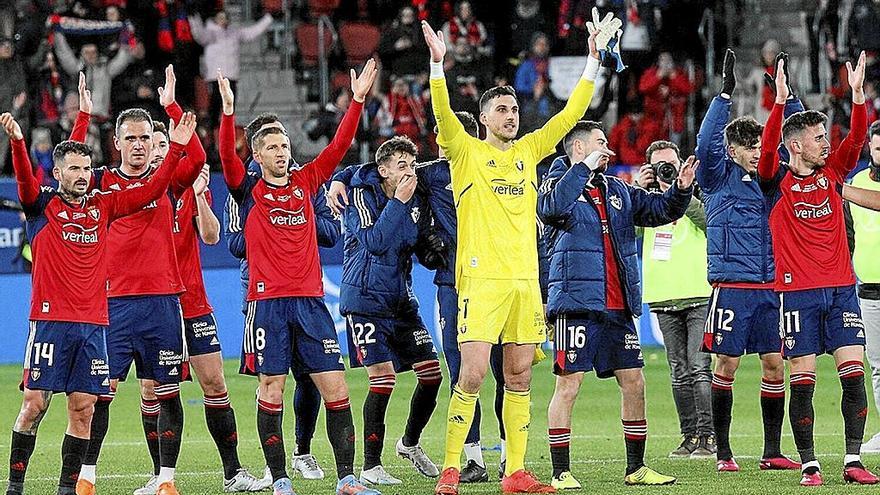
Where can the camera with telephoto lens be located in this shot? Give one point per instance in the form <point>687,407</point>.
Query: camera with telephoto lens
<point>663,172</point>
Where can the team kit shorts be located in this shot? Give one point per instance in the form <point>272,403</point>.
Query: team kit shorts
<point>500,311</point>
<point>66,357</point>
<point>603,342</point>
<point>289,334</point>
<point>402,340</point>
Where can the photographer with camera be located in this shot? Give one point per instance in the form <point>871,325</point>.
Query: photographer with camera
<point>677,251</point>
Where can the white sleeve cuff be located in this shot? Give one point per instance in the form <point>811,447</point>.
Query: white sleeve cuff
<point>437,70</point>
<point>592,68</point>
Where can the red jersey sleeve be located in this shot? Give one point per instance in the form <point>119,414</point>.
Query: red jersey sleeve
<point>768,164</point>
<point>190,165</point>
<point>319,170</point>
<point>233,169</point>
<point>28,186</point>
<point>128,201</point>
<point>80,127</point>
<point>846,156</point>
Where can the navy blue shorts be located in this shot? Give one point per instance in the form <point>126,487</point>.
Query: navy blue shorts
<point>818,321</point>
<point>403,341</point>
<point>600,342</point>
<point>146,330</point>
<point>201,335</point>
<point>66,357</point>
<point>742,321</point>
<point>289,334</point>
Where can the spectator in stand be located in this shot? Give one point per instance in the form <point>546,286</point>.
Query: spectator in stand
<point>863,28</point>
<point>664,88</point>
<point>538,107</point>
<point>99,70</point>
<point>175,45</point>
<point>126,34</point>
<point>46,86</point>
<point>636,46</point>
<point>759,97</point>
<point>465,26</point>
<point>322,126</point>
<point>13,93</point>
<point>136,86</point>
<point>402,46</point>
<point>534,68</point>
<point>41,155</point>
<point>403,114</point>
<point>632,135</point>
<point>526,19</point>
<point>221,42</point>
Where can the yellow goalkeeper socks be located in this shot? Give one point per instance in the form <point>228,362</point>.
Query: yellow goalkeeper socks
<point>516,415</point>
<point>458,423</point>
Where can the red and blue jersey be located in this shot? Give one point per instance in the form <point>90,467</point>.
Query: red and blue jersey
<point>70,240</point>
<point>194,301</point>
<point>807,224</point>
<point>279,221</point>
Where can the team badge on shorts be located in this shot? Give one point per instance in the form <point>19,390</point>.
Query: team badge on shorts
<point>35,374</point>
<point>572,356</point>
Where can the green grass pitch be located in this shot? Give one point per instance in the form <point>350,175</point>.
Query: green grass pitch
<point>597,438</point>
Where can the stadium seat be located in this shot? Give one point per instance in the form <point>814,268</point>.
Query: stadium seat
<point>307,43</point>
<point>273,6</point>
<point>359,40</point>
<point>317,8</point>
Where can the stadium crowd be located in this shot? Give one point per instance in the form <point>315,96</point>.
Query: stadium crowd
<point>760,228</point>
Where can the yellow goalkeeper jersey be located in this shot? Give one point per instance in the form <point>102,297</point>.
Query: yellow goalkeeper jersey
<point>496,192</point>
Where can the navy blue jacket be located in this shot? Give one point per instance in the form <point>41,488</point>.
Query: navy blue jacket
<point>436,180</point>
<point>577,249</point>
<point>381,235</point>
<point>329,229</point>
<point>737,205</point>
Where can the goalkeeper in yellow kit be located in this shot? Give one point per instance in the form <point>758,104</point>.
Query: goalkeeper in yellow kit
<point>494,183</point>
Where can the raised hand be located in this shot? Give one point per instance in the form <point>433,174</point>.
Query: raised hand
<point>226,93</point>
<point>13,130</point>
<point>435,42</point>
<point>85,95</point>
<point>781,81</point>
<point>857,77</point>
<point>688,172</point>
<point>361,84</point>
<point>728,73</point>
<point>202,181</point>
<point>601,31</point>
<point>166,92</point>
<point>182,132</point>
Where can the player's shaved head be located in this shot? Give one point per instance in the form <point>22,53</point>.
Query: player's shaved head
<point>133,115</point>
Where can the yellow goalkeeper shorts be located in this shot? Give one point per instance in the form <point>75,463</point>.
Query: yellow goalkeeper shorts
<point>500,311</point>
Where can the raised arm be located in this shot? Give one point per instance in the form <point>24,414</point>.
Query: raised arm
<point>321,168</point>
<point>206,221</point>
<point>451,137</point>
<point>234,171</point>
<point>845,158</point>
<point>25,180</point>
<point>119,62</point>
<point>188,170</point>
<point>710,139</point>
<point>66,58</point>
<point>253,31</point>
<point>81,126</point>
<point>768,163</point>
<point>128,201</point>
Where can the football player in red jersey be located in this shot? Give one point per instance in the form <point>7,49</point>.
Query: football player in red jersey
<point>288,327</point>
<point>66,351</point>
<point>819,309</point>
<point>144,282</point>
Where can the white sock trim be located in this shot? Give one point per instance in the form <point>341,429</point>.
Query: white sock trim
<point>848,458</point>
<point>88,472</point>
<point>474,452</point>
<point>166,474</point>
<point>810,464</point>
